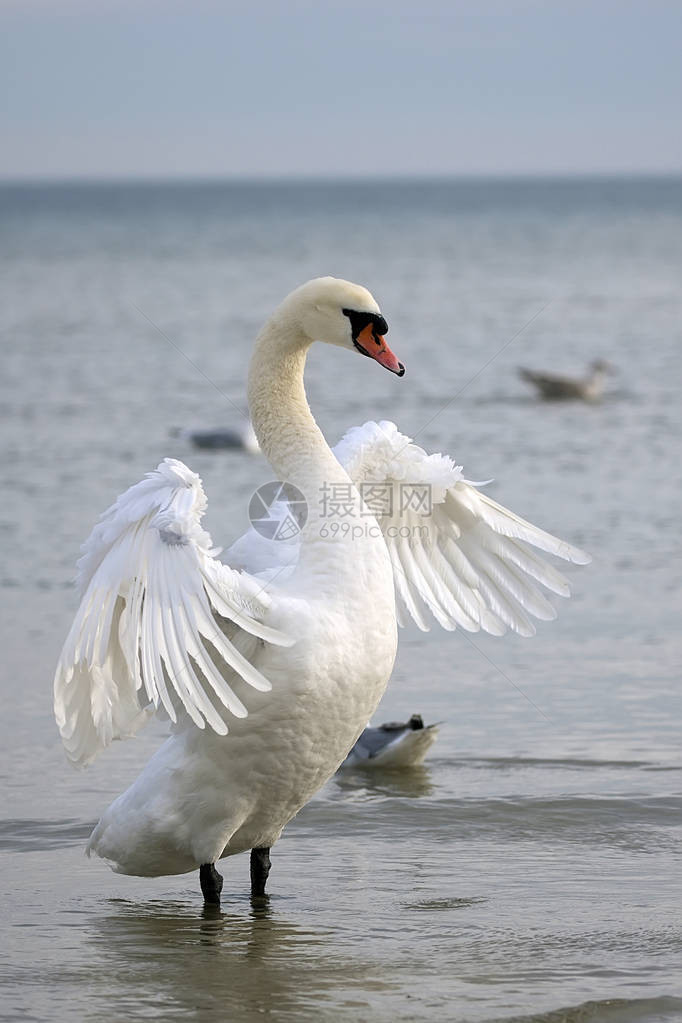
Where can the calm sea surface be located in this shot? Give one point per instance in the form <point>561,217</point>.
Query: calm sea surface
<point>531,869</point>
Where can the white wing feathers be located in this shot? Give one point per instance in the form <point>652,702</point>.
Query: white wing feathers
<point>156,608</point>
<point>455,552</point>
<point>163,624</point>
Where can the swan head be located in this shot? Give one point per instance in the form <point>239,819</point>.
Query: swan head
<point>346,315</point>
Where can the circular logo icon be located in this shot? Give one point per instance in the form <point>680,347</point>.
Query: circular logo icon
<point>278,511</point>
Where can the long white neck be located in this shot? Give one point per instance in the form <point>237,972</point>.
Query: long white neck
<point>339,555</point>
<point>287,432</point>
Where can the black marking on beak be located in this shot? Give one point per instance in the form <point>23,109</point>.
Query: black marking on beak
<point>358,322</point>
<point>361,349</point>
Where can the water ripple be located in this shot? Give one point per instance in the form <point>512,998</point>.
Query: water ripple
<point>26,835</point>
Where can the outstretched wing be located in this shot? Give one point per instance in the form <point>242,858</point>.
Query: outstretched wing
<point>455,553</point>
<point>157,611</point>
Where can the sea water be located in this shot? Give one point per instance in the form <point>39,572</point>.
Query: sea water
<point>531,868</point>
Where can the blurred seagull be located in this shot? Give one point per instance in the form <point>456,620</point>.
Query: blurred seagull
<point>236,438</point>
<point>394,744</point>
<point>553,387</point>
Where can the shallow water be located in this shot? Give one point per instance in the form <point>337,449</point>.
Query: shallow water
<point>531,868</point>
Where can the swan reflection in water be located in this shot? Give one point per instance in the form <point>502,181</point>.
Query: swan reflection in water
<point>170,960</point>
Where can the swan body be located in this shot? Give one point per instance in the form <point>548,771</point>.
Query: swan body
<point>554,387</point>
<point>269,664</point>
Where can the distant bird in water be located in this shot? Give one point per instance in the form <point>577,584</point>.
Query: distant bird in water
<point>235,439</point>
<point>394,744</point>
<point>553,387</point>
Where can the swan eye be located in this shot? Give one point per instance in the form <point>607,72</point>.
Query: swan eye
<point>358,322</point>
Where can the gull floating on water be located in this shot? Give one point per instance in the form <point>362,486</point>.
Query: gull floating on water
<point>554,387</point>
<point>230,438</point>
<point>393,744</point>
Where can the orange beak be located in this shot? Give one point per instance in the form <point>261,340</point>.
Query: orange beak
<point>375,347</point>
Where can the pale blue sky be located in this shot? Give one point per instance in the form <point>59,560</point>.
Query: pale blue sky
<point>97,88</point>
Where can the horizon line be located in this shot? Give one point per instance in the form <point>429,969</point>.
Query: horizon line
<point>325,178</point>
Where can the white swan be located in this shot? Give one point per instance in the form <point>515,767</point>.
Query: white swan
<point>270,666</point>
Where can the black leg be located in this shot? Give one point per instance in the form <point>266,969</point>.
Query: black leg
<point>260,868</point>
<point>211,884</point>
